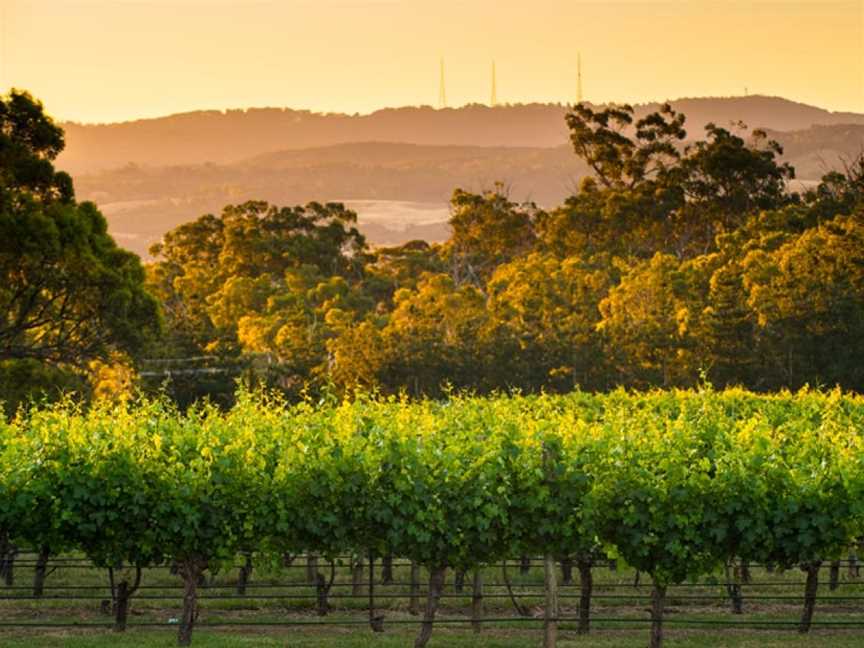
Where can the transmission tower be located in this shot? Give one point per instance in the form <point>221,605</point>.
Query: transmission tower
<point>493,101</point>
<point>4,35</point>
<point>442,91</point>
<point>579,77</point>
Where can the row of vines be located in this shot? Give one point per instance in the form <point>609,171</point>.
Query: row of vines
<point>676,484</point>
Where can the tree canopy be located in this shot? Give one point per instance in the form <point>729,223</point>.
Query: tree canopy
<point>68,293</point>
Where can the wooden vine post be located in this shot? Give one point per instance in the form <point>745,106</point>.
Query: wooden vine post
<point>550,614</point>
<point>414,596</point>
<point>477,601</point>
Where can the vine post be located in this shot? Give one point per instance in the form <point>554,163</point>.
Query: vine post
<point>550,614</point>
<point>477,601</point>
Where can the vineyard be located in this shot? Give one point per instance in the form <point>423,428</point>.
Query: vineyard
<point>661,500</point>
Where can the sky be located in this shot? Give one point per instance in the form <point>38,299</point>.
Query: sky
<point>114,60</point>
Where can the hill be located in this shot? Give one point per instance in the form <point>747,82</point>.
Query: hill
<point>224,137</point>
<point>396,167</point>
<point>399,190</point>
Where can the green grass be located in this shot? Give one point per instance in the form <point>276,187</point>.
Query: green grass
<point>442,638</point>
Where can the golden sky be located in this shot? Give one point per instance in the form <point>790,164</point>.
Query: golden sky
<point>109,60</point>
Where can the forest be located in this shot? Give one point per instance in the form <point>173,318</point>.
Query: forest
<point>680,259</point>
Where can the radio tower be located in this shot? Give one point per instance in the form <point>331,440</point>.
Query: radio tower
<point>493,101</point>
<point>579,78</point>
<point>4,65</point>
<point>442,92</point>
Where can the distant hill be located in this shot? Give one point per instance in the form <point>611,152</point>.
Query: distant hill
<point>817,150</point>
<point>399,190</point>
<point>234,135</point>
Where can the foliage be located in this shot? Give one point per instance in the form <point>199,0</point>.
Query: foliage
<point>68,293</point>
<point>675,257</point>
<point>674,482</point>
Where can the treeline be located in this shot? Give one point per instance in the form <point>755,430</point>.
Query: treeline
<point>672,262</point>
<point>669,265</point>
<point>677,484</point>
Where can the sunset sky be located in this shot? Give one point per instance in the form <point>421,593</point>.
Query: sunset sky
<point>109,60</point>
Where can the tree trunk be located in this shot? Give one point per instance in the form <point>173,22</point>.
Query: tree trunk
<point>566,571</point>
<point>245,574</point>
<point>414,593</point>
<point>357,577</point>
<point>41,572</point>
<point>191,572</point>
<point>853,566</point>
<point>658,600</point>
<point>477,601</point>
<point>550,612</point>
<point>834,575</point>
<point>436,584</point>
<point>811,587</point>
<point>524,565</point>
<point>586,585</point>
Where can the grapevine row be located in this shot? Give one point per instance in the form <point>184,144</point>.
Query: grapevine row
<point>678,484</point>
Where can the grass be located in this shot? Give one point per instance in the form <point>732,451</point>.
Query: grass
<point>442,638</point>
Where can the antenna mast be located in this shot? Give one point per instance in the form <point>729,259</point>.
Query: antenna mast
<point>442,92</point>
<point>4,65</point>
<point>494,98</point>
<point>579,77</point>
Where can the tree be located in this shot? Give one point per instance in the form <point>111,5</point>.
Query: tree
<point>646,322</point>
<point>296,323</point>
<point>650,193</point>
<point>68,294</point>
<point>247,281</point>
<point>29,141</point>
<point>619,161</point>
<point>543,319</point>
<point>432,337</point>
<point>726,179</point>
<point>839,192</point>
<point>727,334</point>
<point>488,230</point>
<point>255,241</point>
<point>808,300</point>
